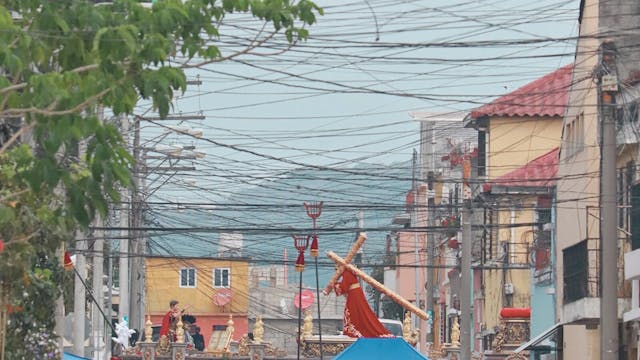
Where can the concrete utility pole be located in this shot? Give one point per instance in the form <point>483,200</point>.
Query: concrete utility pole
<point>414,223</point>
<point>465,269</point>
<point>607,88</point>
<point>79,296</point>
<point>97,319</point>
<point>430,286</point>
<point>123,262</point>
<point>136,307</point>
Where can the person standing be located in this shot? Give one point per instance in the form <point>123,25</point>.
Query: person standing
<point>170,320</point>
<point>198,339</point>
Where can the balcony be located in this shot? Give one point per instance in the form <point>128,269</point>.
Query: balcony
<point>581,280</point>
<point>632,273</point>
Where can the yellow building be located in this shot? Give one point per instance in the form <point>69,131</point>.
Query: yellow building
<point>209,289</point>
<point>518,137</point>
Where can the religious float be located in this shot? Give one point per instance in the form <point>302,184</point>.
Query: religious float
<point>360,322</point>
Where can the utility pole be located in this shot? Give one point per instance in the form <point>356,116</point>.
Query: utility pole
<point>97,320</point>
<point>607,88</point>
<point>79,296</point>
<point>136,307</point>
<point>465,269</point>
<point>430,286</point>
<point>123,257</point>
<point>414,223</point>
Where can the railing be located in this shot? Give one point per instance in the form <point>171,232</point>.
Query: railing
<point>582,262</point>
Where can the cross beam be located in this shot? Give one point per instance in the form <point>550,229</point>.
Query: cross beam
<point>350,255</point>
<point>378,286</point>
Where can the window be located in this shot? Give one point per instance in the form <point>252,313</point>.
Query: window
<point>188,277</point>
<point>574,136</point>
<point>221,278</point>
<point>635,216</point>
<point>576,271</point>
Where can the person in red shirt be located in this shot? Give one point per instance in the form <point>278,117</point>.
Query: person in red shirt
<point>359,319</point>
<point>170,320</point>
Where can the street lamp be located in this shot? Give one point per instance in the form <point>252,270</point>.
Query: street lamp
<point>301,242</point>
<point>314,210</point>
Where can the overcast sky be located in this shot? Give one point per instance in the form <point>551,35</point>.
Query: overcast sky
<point>342,98</point>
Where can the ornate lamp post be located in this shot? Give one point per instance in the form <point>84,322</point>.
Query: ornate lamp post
<point>313,211</point>
<point>301,242</point>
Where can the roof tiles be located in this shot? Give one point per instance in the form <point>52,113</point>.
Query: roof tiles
<point>546,96</point>
<point>539,172</point>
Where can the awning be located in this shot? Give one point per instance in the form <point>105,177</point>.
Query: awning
<point>70,356</point>
<point>535,343</point>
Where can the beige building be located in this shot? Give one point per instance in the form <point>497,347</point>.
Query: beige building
<point>578,219</point>
<point>518,137</point>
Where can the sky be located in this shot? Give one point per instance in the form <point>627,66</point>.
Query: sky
<point>340,101</point>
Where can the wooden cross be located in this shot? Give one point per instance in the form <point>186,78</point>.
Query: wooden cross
<point>350,255</point>
<point>378,286</point>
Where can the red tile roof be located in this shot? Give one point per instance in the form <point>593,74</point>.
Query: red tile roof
<point>546,96</point>
<point>540,171</point>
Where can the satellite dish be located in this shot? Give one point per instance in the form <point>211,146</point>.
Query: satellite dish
<point>222,297</point>
<point>307,299</point>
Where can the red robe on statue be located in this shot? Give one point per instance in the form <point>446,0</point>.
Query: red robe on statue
<point>359,319</point>
<point>166,328</point>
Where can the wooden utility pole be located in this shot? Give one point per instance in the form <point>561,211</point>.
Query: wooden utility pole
<point>607,88</point>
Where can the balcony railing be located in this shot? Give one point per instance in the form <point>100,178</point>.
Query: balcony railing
<point>581,261</point>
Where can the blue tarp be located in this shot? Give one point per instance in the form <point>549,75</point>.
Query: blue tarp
<point>67,356</point>
<point>380,349</point>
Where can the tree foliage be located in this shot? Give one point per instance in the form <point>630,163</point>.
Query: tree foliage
<point>62,63</point>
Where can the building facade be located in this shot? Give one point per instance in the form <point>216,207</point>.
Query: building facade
<point>518,139</point>
<point>210,289</point>
<point>579,294</point>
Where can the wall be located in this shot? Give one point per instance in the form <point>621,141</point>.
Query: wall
<point>163,276</point>
<point>584,344</point>
<point>513,142</point>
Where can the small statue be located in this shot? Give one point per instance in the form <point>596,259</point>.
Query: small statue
<point>258,330</point>
<point>409,334</point>
<point>406,325</point>
<point>455,333</point>
<point>307,327</point>
<point>148,330</point>
<point>123,332</point>
<point>180,331</point>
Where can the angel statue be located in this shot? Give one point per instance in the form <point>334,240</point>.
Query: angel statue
<point>124,333</point>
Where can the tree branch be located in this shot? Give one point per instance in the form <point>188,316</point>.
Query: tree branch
<point>34,110</point>
<point>15,137</point>
<point>20,86</point>
<point>245,51</point>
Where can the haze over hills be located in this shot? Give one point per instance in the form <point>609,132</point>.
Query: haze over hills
<point>266,215</point>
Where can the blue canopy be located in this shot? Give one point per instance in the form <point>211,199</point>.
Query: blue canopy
<point>68,356</point>
<point>380,349</point>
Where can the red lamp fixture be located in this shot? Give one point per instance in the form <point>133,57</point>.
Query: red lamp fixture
<point>314,210</point>
<point>301,243</point>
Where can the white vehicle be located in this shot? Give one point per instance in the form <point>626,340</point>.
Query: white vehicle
<point>394,326</point>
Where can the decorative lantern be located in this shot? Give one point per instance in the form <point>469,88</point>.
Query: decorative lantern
<point>301,243</point>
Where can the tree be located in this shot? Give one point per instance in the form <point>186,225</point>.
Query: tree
<point>61,63</point>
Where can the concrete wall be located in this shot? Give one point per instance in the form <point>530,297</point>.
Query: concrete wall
<point>581,343</point>
<point>513,142</point>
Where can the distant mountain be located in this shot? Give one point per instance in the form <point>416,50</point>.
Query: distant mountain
<point>266,215</point>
